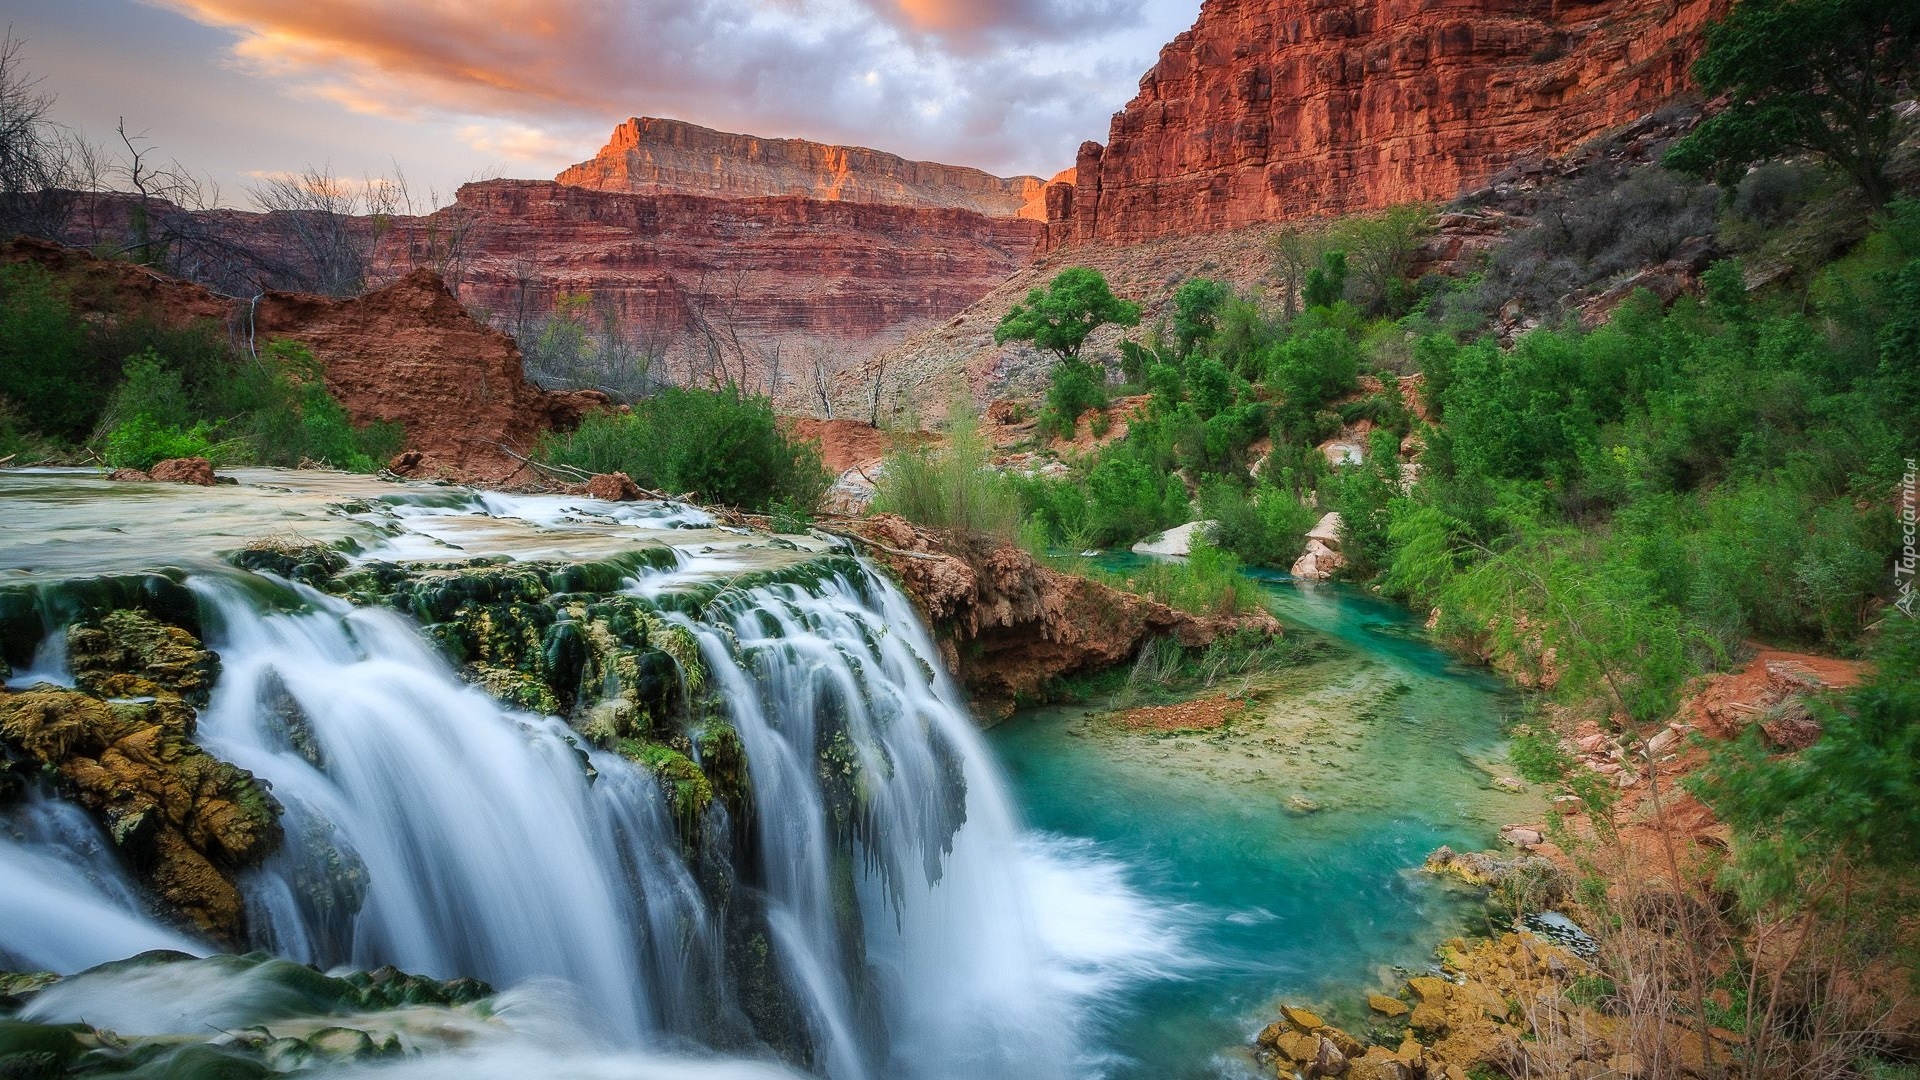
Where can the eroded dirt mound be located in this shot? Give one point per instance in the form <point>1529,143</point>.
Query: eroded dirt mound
<point>408,353</point>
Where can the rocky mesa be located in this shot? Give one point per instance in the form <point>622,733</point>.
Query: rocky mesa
<point>760,275</point>
<point>651,155</point>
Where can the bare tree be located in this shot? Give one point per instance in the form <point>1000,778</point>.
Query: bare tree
<point>36,154</point>
<point>820,372</point>
<point>315,211</point>
<point>437,237</point>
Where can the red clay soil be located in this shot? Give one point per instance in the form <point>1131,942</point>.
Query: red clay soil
<point>1768,691</point>
<point>844,444</point>
<point>1203,714</point>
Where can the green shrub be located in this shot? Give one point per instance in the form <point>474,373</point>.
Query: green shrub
<point>293,420</point>
<point>952,488</point>
<point>141,442</point>
<point>720,446</point>
<point>1075,387</point>
<point>44,366</point>
<point>1129,499</point>
<point>1265,527</point>
<point>1207,582</point>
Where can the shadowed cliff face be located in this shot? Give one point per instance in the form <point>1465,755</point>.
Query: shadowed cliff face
<point>647,154</point>
<point>1268,110</point>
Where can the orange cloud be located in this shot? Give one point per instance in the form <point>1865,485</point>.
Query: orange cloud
<point>512,75</point>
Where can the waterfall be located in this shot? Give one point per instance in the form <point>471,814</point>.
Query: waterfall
<point>955,983</point>
<point>65,904</point>
<point>430,827</point>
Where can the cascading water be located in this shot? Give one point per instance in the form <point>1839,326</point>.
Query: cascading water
<point>65,903</point>
<point>430,827</point>
<point>945,973</point>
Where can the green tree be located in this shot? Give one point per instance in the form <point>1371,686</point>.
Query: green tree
<point>1805,76</point>
<point>1076,303</point>
<point>1326,283</point>
<point>1196,310</point>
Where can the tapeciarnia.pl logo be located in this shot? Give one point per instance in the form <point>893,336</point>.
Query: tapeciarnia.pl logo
<point>1903,567</point>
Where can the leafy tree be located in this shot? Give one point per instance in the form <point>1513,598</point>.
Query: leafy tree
<point>1326,283</point>
<point>1379,253</point>
<point>1812,76</point>
<point>1196,310</point>
<point>1076,303</point>
<point>1075,387</point>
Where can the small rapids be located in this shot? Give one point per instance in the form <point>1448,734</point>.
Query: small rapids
<point>908,927</point>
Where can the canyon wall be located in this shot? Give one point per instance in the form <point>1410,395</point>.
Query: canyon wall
<point>759,276</point>
<point>1270,110</point>
<point>650,155</point>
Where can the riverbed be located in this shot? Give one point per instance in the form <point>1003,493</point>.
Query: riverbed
<point>1284,848</point>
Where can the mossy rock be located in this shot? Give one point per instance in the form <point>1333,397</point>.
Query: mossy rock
<point>516,689</point>
<point>129,653</point>
<point>27,1047</point>
<point>688,791</point>
<point>308,562</point>
<point>184,817</point>
<point>201,1061</point>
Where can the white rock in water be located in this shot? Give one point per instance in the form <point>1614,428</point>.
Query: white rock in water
<point>1175,541</point>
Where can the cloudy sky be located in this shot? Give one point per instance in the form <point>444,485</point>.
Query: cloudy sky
<point>454,89</point>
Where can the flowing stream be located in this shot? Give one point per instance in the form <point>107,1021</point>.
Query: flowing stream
<point>914,925</point>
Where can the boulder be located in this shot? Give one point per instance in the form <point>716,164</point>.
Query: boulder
<point>1389,1007</point>
<point>614,487</point>
<point>1328,1059</point>
<point>190,470</point>
<point>1301,1019</point>
<point>1175,541</point>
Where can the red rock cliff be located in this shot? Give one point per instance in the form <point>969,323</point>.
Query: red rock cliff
<point>651,155</point>
<point>787,272</point>
<point>1268,110</point>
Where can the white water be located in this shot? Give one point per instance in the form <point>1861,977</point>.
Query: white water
<point>960,981</point>
<point>65,904</point>
<point>468,837</point>
<point>430,828</point>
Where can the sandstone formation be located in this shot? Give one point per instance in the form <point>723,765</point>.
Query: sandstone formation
<point>655,156</point>
<point>1007,625</point>
<point>1270,110</point>
<point>728,288</point>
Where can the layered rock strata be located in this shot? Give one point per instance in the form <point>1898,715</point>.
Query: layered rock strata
<point>655,156</point>
<point>1270,110</point>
